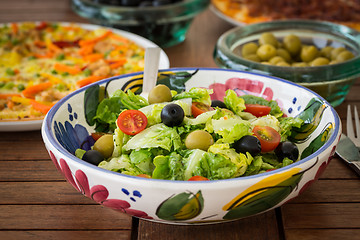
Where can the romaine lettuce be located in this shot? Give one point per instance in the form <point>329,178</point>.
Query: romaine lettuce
<point>142,159</point>
<point>195,164</point>
<point>168,167</point>
<point>157,136</point>
<point>233,102</point>
<point>120,164</point>
<point>197,95</point>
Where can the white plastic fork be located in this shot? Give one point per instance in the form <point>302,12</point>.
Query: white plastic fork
<point>152,56</point>
<point>354,135</point>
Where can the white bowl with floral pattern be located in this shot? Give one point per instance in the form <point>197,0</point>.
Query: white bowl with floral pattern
<point>65,129</point>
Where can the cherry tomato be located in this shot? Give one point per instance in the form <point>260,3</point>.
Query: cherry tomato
<point>132,122</point>
<point>257,110</point>
<point>144,175</point>
<point>198,108</point>
<point>198,178</point>
<point>269,138</point>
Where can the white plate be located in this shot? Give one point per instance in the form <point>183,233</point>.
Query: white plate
<point>28,125</point>
<point>225,17</point>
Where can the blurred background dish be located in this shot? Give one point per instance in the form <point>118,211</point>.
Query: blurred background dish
<point>24,70</point>
<point>332,81</point>
<point>163,22</point>
<point>240,12</point>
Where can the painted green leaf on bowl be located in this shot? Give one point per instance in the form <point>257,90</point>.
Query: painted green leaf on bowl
<point>311,115</point>
<point>263,195</point>
<point>91,101</point>
<point>319,141</point>
<point>183,206</point>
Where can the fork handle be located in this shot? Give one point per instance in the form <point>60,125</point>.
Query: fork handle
<point>356,167</point>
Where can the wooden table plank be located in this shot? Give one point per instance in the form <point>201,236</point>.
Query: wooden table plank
<point>263,226</point>
<point>337,169</point>
<point>52,193</point>
<point>323,234</point>
<point>65,235</point>
<point>29,150</point>
<point>326,215</point>
<point>330,191</point>
<point>65,217</point>
<point>29,171</point>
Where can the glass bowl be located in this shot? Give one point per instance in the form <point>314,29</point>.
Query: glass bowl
<point>165,25</point>
<point>332,82</point>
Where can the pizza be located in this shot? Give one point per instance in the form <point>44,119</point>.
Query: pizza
<point>40,63</point>
<point>255,11</point>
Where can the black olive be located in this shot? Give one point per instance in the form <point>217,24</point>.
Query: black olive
<point>248,143</point>
<point>218,103</point>
<point>287,150</point>
<point>172,115</point>
<point>93,157</point>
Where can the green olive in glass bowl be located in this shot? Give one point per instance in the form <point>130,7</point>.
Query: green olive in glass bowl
<point>331,53</point>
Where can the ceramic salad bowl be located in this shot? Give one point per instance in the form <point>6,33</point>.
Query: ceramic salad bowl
<point>66,128</point>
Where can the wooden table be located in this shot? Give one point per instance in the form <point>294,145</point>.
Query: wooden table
<point>37,203</point>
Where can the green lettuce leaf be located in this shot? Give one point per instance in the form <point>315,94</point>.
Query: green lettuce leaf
<point>120,164</point>
<point>220,167</point>
<point>197,95</point>
<point>240,160</point>
<point>168,167</point>
<point>157,136</point>
<point>142,159</point>
<point>233,102</point>
<point>195,164</point>
<point>230,129</point>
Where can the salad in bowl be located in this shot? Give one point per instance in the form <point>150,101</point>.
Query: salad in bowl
<point>189,136</point>
<point>207,145</point>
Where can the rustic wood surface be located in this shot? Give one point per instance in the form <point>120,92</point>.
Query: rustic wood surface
<point>37,203</point>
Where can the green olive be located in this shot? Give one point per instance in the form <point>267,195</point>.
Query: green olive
<point>105,145</point>
<point>344,56</point>
<point>319,62</point>
<point>249,49</point>
<point>326,51</point>
<point>253,57</point>
<point>299,64</point>
<point>333,62</point>
<point>266,52</point>
<point>283,64</point>
<point>284,54</point>
<point>292,43</point>
<point>276,59</point>
<point>160,93</point>
<point>268,38</point>
<point>199,139</point>
<point>309,53</point>
<point>336,51</point>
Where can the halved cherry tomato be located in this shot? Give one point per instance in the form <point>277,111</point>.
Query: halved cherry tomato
<point>132,122</point>
<point>269,138</point>
<point>144,175</point>
<point>257,110</point>
<point>198,108</point>
<point>198,178</point>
